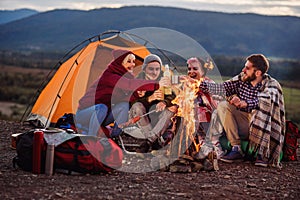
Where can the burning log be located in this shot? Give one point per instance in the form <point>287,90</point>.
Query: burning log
<point>186,142</point>
<point>186,123</point>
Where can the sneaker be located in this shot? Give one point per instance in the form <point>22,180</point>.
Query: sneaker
<point>260,162</point>
<point>218,149</point>
<point>134,131</point>
<point>235,155</point>
<point>144,147</point>
<point>203,152</point>
<point>105,131</point>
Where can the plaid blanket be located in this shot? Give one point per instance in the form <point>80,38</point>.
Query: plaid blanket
<point>267,128</point>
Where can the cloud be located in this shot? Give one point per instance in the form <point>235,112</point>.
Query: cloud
<point>267,7</point>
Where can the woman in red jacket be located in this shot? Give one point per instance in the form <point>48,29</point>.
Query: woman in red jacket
<point>107,100</point>
<point>197,70</point>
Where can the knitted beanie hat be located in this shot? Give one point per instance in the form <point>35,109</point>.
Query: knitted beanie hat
<point>151,58</point>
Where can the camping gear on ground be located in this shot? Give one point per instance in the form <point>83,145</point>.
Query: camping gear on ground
<point>14,138</point>
<point>88,154</point>
<point>290,141</point>
<point>66,122</point>
<point>24,148</point>
<point>49,159</point>
<point>38,142</point>
<point>72,152</point>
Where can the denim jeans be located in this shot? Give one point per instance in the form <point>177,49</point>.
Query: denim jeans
<point>90,119</point>
<point>118,115</point>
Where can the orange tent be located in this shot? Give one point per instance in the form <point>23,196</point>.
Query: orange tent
<point>74,76</point>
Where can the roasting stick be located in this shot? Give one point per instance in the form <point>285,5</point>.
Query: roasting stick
<point>135,119</point>
<point>131,121</point>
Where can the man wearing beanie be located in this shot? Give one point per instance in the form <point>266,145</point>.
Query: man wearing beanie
<point>154,125</point>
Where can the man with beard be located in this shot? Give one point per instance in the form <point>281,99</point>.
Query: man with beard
<point>245,94</point>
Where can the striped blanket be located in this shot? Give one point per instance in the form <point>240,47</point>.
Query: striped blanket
<point>267,128</point>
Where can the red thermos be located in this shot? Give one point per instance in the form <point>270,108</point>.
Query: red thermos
<point>38,140</point>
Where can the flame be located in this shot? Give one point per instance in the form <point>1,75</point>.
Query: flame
<point>186,95</point>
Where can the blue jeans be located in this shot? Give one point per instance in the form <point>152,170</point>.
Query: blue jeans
<point>118,115</point>
<point>90,119</point>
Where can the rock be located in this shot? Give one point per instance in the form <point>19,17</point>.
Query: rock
<point>227,177</point>
<point>207,165</point>
<point>196,166</point>
<point>180,168</point>
<point>159,163</point>
<point>187,157</point>
<point>251,185</point>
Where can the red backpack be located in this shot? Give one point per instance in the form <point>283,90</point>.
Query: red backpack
<point>290,141</point>
<point>88,154</point>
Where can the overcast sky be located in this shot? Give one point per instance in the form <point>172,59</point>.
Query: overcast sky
<point>266,7</point>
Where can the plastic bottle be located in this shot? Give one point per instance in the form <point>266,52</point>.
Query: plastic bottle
<point>167,73</point>
<point>49,159</point>
<point>162,89</point>
<point>175,78</point>
<point>38,140</point>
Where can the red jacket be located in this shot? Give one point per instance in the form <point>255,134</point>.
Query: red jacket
<point>206,105</point>
<point>114,86</point>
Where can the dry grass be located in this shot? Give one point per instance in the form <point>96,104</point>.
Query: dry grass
<point>16,69</point>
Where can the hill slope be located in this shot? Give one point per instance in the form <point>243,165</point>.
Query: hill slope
<point>219,33</point>
<point>12,15</point>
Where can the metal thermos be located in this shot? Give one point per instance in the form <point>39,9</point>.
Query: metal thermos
<point>49,159</point>
<point>38,141</point>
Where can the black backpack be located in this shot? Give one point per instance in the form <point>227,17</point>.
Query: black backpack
<point>24,147</point>
<point>66,122</point>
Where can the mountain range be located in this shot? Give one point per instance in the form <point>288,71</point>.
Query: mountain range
<point>219,33</point>
<point>7,16</point>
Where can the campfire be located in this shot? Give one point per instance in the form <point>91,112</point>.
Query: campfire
<point>186,142</point>
<point>178,154</point>
<point>187,93</point>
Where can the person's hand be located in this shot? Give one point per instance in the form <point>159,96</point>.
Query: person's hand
<point>184,78</point>
<point>187,78</point>
<point>165,82</point>
<point>141,93</point>
<point>173,109</point>
<point>237,102</point>
<point>160,106</point>
<point>157,95</point>
<point>243,104</point>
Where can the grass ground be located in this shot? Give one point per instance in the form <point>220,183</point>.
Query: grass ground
<point>292,104</point>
